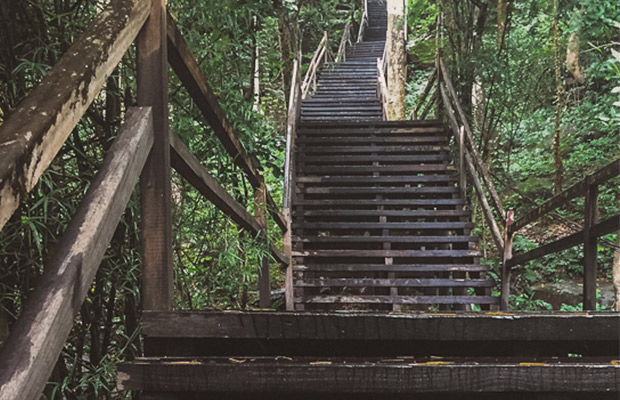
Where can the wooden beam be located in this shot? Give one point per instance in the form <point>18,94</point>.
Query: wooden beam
<point>264,275</point>
<point>496,234</point>
<point>186,164</point>
<point>383,378</point>
<point>578,189</point>
<point>186,67</point>
<point>365,326</point>
<point>475,155</point>
<point>155,183</point>
<point>590,244</point>
<point>605,227</point>
<point>33,134</point>
<point>38,336</point>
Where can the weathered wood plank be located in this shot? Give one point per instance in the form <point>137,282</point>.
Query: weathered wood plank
<point>184,161</point>
<point>602,228</point>
<point>459,326</point>
<point>387,253</point>
<point>378,299</point>
<point>38,336</point>
<point>391,239</point>
<point>319,377</point>
<point>155,183</point>
<point>398,282</point>
<point>469,136</point>
<point>33,134</point>
<point>359,267</point>
<point>186,67</point>
<point>578,189</point>
<point>384,225</point>
<point>378,190</point>
<point>471,168</point>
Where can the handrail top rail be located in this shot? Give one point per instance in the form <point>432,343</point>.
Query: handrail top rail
<point>601,176</point>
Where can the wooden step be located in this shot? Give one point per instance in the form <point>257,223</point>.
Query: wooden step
<point>381,169</point>
<point>358,267</point>
<point>380,378</point>
<point>384,225</point>
<point>346,159</point>
<point>378,299</point>
<point>388,253</point>
<point>405,179</point>
<point>372,149</point>
<point>383,239</point>
<point>379,190</point>
<point>395,282</point>
<point>383,202</point>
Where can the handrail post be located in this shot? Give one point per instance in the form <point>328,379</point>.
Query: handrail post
<point>260,213</point>
<point>291,133</point>
<point>504,302</point>
<point>462,173</point>
<point>589,245</point>
<point>155,186</point>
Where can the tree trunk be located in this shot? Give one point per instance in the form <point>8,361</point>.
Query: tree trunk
<point>396,60</point>
<point>557,156</point>
<point>289,44</point>
<point>502,14</point>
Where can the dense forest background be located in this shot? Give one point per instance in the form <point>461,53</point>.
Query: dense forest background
<point>539,79</point>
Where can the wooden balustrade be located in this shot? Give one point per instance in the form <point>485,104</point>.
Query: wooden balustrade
<point>345,41</point>
<point>39,334</point>
<point>587,188</point>
<point>33,134</point>
<point>470,164</point>
<point>319,57</point>
<point>31,137</point>
<point>363,23</point>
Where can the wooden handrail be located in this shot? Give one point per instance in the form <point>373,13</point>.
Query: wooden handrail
<point>472,171</point>
<point>363,23</point>
<point>469,136</point>
<point>317,60</point>
<point>382,87</point>
<point>186,67</point>
<point>578,189</point>
<point>415,113</point>
<point>189,167</point>
<point>344,42</point>
<point>33,134</point>
<point>294,109</point>
<point>588,188</point>
<point>37,338</point>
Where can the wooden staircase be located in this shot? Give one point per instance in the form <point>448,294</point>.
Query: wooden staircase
<point>378,221</point>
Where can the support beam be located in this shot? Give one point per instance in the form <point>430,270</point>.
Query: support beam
<point>155,186</point>
<point>396,55</point>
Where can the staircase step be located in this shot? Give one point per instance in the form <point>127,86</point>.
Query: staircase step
<point>376,179</point>
<point>417,226</point>
<point>395,282</point>
<point>353,267</point>
<point>306,149</point>
<point>382,202</point>
<point>384,239</point>
<point>376,299</point>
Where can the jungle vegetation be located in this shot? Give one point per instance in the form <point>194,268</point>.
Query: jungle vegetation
<point>539,80</point>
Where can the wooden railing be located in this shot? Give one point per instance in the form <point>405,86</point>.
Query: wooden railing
<point>318,59</point>
<point>587,188</point>
<point>345,41</point>
<point>382,93</point>
<point>363,23</point>
<point>472,168</point>
<point>145,147</point>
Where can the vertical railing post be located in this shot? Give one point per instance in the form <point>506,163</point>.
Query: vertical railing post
<point>155,190</point>
<point>589,245</point>
<point>462,173</point>
<point>260,213</point>
<point>504,301</point>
